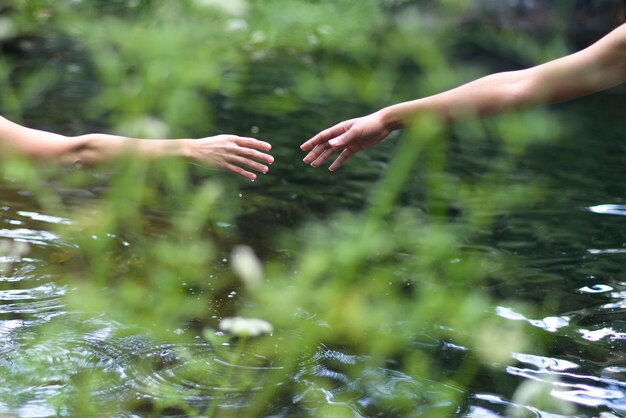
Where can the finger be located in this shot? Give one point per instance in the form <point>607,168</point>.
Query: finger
<point>240,171</point>
<point>315,153</point>
<point>345,138</point>
<point>257,155</point>
<point>252,143</point>
<point>341,159</point>
<point>324,136</point>
<point>322,158</point>
<point>248,163</point>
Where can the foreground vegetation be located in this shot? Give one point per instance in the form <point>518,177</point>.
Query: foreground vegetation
<point>391,270</point>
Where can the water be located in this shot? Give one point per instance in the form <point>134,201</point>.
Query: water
<point>572,241</point>
<point>571,244</point>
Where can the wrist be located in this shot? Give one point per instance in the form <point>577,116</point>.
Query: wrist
<point>185,148</point>
<point>391,118</point>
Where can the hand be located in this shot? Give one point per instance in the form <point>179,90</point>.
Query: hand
<point>233,153</point>
<point>347,137</point>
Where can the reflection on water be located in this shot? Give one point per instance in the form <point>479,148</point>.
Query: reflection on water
<point>609,209</point>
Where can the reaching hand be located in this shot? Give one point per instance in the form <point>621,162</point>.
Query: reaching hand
<point>347,137</point>
<point>233,153</point>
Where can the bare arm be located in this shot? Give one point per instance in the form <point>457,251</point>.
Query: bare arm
<point>598,67</point>
<point>233,153</point>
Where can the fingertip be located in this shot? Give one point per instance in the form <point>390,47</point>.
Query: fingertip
<point>252,177</point>
<point>309,144</point>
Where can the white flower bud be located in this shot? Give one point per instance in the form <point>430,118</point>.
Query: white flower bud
<point>231,7</point>
<point>245,327</point>
<point>246,265</point>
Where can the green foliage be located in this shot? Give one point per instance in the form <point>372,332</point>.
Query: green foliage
<point>381,284</point>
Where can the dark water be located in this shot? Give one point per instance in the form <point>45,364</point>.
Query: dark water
<point>572,243</point>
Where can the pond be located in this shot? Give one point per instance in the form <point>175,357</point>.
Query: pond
<point>567,287</point>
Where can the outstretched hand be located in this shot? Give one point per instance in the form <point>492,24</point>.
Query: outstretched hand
<point>346,138</point>
<point>233,153</point>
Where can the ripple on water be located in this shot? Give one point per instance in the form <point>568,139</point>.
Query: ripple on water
<point>41,217</point>
<point>366,393</point>
<point>197,372</point>
<point>596,288</point>
<point>7,342</point>
<point>41,302</point>
<point>30,236</point>
<point>608,209</point>
<point>40,368</point>
<point>228,376</point>
<point>550,323</point>
<point>571,383</point>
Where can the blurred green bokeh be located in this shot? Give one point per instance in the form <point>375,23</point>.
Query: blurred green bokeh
<point>381,281</point>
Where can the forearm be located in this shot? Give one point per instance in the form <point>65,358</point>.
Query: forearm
<point>488,95</point>
<point>501,92</point>
<point>600,66</point>
<point>96,148</point>
<point>234,153</point>
<point>85,149</point>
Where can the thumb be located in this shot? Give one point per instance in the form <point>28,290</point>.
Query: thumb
<point>344,138</point>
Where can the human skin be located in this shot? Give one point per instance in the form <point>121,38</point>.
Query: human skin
<point>236,154</point>
<point>598,67</point>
